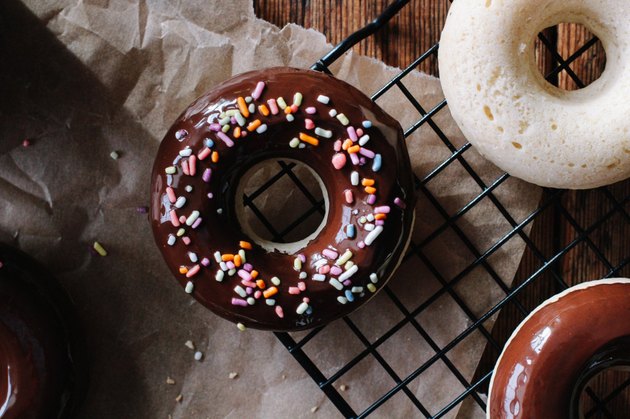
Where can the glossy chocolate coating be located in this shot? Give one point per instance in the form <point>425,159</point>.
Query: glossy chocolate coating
<point>42,369</point>
<point>222,232</point>
<point>559,346</point>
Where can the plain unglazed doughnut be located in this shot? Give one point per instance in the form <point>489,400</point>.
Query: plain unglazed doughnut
<point>526,126</point>
<point>558,348</point>
<point>353,146</point>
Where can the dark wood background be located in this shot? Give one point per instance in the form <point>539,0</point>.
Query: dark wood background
<point>415,29</point>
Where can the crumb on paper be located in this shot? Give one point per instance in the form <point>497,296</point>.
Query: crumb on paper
<point>170,381</point>
<point>114,155</point>
<point>343,387</point>
<point>179,398</point>
<point>233,375</point>
<point>314,409</point>
<point>190,345</point>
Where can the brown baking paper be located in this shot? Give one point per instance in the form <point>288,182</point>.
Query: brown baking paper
<point>85,78</point>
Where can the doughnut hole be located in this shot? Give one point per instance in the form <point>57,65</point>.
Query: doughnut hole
<point>612,387</point>
<point>569,38</point>
<point>280,204</point>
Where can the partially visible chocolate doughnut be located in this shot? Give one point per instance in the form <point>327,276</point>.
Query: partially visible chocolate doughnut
<point>355,148</point>
<point>42,362</point>
<point>558,348</point>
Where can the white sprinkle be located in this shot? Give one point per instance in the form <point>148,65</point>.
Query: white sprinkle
<point>188,188</point>
<point>219,276</point>
<point>357,290</point>
<point>231,272</point>
<point>114,155</point>
<point>349,264</point>
<point>275,281</point>
<point>189,287</point>
<point>302,145</point>
<point>251,301</point>
<point>240,291</point>
<point>192,218</point>
<point>290,118</point>
<point>363,140</point>
<point>373,277</point>
<point>281,102</point>
<point>171,240</point>
<point>367,124</point>
<point>362,220</point>
<point>332,112</point>
<point>354,178</point>
<point>323,132</point>
<point>171,170</point>
<point>319,277</point>
<point>303,275</point>
<point>347,274</point>
<point>342,300</point>
<point>343,119</point>
<point>336,284</point>
<point>261,128</point>
<point>294,143</point>
<point>302,308</point>
<point>223,266</point>
<point>297,99</point>
<point>241,327</point>
<point>241,253</point>
<point>239,119</point>
<point>370,217</point>
<point>270,302</point>
<point>344,258</point>
<point>193,257</point>
<point>248,99</point>
<point>297,264</point>
<point>217,257</point>
<point>369,239</point>
<point>319,263</point>
<point>323,99</point>
<point>181,201</point>
<point>185,152</point>
<point>219,211</point>
<point>198,356</point>
<point>252,108</point>
<point>369,227</point>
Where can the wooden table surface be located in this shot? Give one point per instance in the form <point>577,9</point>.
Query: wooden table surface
<point>415,29</point>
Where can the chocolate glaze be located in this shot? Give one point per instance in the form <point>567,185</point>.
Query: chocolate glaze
<point>42,369</point>
<point>221,232</point>
<point>559,347</point>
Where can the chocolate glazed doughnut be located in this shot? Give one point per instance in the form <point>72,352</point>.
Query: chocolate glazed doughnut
<point>558,348</point>
<point>42,364</point>
<point>355,149</point>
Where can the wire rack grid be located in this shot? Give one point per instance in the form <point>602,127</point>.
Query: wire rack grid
<point>545,270</point>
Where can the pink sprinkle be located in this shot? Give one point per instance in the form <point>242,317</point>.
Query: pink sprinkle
<point>248,284</point>
<point>239,302</point>
<point>192,162</point>
<point>339,161</point>
<point>232,121</point>
<point>249,290</point>
<point>382,209</point>
<point>336,270</point>
<point>337,146</point>
<point>294,108</point>
<point>324,269</point>
<point>196,223</point>
<point>257,294</point>
<point>309,124</point>
<point>243,134</point>
<point>371,199</point>
<point>171,195</point>
<point>182,219</point>
<point>1,264</point>
<point>215,127</point>
<point>248,267</point>
<point>301,286</point>
<point>174,219</point>
<point>230,264</point>
<point>227,140</point>
<point>273,107</point>
<point>302,257</point>
<point>207,174</point>
<point>330,254</point>
<point>306,300</point>
<point>294,290</point>
<point>399,202</point>
<point>279,312</point>
<point>360,132</point>
<point>193,271</point>
<point>310,110</point>
<point>352,134</point>
<point>379,222</point>
<point>186,240</point>
<point>244,274</point>
<point>210,195</point>
<point>26,143</point>
<point>142,210</point>
<point>205,261</point>
<point>258,90</point>
<point>203,154</point>
<point>355,159</point>
<point>361,245</point>
<point>347,283</point>
<point>185,167</point>
<point>367,153</point>
<point>349,196</point>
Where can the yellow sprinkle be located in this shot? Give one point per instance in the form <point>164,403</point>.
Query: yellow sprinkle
<point>100,249</point>
<point>241,327</point>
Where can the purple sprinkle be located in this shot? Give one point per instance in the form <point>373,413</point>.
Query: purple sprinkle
<point>227,140</point>
<point>379,222</point>
<point>142,210</point>
<point>367,153</point>
<point>258,90</point>
<point>205,261</point>
<point>232,121</point>
<point>196,223</point>
<point>302,257</point>
<point>347,283</point>
<point>239,302</point>
<point>248,267</point>
<point>249,290</point>
<point>230,264</point>
<point>361,161</point>
<point>207,174</point>
<point>336,270</point>
<point>330,254</point>
<point>400,203</point>
<point>371,199</point>
<point>352,134</point>
<point>354,158</point>
<point>244,274</point>
<point>215,127</point>
<point>310,110</point>
<point>384,209</point>
<point>361,245</point>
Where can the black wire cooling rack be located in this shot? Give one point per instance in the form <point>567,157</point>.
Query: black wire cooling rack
<point>546,264</point>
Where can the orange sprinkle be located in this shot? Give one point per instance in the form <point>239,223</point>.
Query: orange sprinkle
<point>367,182</point>
<point>242,106</point>
<point>263,110</point>
<point>237,132</point>
<point>215,157</point>
<point>183,270</point>
<point>380,216</point>
<point>253,125</point>
<point>287,110</point>
<point>227,257</point>
<point>308,139</point>
<point>254,274</point>
<point>245,245</point>
<point>260,284</point>
<point>237,260</point>
<point>354,149</point>
<point>346,144</point>
<point>370,189</point>
<point>269,292</point>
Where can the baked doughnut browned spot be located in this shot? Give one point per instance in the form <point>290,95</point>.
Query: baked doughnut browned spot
<point>354,148</point>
